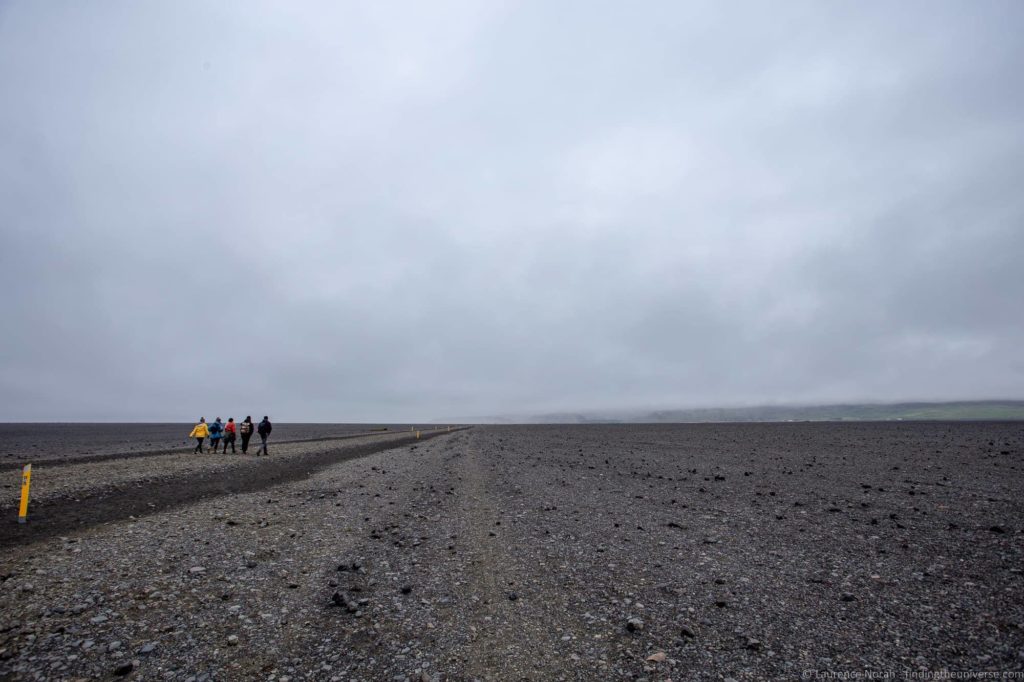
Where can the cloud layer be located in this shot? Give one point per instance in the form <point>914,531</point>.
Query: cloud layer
<point>413,211</point>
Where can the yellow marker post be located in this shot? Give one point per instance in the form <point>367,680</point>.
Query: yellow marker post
<point>417,435</point>
<point>26,481</point>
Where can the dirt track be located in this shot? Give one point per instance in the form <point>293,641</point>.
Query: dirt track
<point>60,444</point>
<point>711,552</point>
<point>129,486</point>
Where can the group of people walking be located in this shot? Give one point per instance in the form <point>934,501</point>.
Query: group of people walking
<point>224,433</point>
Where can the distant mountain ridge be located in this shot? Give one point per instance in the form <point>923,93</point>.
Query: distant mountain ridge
<point>988,410</point>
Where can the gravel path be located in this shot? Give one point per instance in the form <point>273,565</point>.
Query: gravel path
<point>62,481</point>
<point>78,494</point>
<point>60,443</point>
<point>711,552</point>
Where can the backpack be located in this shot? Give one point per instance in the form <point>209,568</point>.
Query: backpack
<point>216,428</point>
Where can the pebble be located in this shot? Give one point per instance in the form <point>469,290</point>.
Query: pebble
<point>124,668</point>
<point>343,601</point>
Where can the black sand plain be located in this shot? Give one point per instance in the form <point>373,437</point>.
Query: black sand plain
<point>667,552</point>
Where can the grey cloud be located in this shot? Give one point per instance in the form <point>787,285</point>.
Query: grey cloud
<point>396,212</point>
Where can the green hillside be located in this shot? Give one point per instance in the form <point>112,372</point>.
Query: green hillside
<point>1002,410</point>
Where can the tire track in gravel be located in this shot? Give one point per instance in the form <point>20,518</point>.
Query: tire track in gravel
<point>60,517</point>
<point>481,653</point>
<point>511,641</point>
<point>530,636</point>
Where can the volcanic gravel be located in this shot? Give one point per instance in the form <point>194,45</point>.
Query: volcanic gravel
<point>743,552</point>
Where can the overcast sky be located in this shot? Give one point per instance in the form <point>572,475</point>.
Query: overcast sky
<point>405,211</point>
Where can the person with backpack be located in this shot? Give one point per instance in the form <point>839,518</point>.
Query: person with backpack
<point>246,430</point>
<point>264,429</point>
<point>216,432</point>
<point>199,432</point>
<point>229,435</point>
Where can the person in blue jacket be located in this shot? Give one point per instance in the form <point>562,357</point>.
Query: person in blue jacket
<point>216,433</point>
<point>264,428</point>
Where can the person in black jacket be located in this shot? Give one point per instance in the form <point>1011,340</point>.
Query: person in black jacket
<point>264,429</point>
<point>245,430</point>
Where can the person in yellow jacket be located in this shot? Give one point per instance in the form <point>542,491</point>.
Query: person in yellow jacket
<point>199,432</point>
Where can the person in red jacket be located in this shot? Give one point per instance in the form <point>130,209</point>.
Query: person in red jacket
<point>229,435</point>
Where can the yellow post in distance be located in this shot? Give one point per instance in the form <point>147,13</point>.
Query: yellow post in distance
<point>26,481</point>
<point>417,435</point>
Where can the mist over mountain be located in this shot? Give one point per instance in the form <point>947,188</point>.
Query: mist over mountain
<point>995,410</point>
